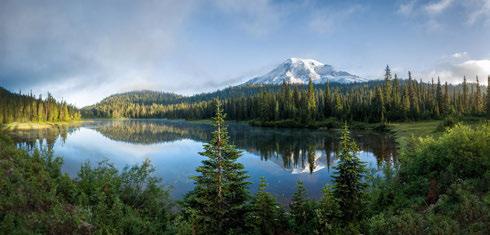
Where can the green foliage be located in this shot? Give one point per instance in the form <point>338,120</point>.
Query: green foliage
<point>349,187</point>
<point>442,186</point>
<point>488,97</point>
<point>328,213</point>
<point>302,211</point>
<point>439,186</point>
<point>27,108</point>
<point>38,198</point>
<point>218,202</point>
<point>267,217</point>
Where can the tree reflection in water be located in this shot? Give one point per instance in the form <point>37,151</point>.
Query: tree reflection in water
<point>296,150</point>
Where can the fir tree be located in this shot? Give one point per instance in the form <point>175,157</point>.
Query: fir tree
<point>405,102</point>
<point>465,95</point>
<point>328,100</point>
<point>439,98</point>
<point>328,212</point>
<point>218,201</point>
<point>302,210</point>
<point>478,98</point>
<point>445,100</point>
<point>387,86</point>
<point>265,211</point>
<point>311,101</point>
<point>488,97</point>
<point>348,186</point>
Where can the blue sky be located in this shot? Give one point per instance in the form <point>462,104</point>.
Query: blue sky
<point>82,51</point>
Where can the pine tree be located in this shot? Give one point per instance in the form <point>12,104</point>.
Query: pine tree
<point>265,211</point>
<point>328,212</point>
<point>478,98</point>
<point>328,100</point>
<point>302,210</point>
<point>387,84</point>
<point>405,102</point>
<point>380,106</point>
<point>311,101</point>
<point>465,95</point>
<point>445,100</point>
<point>218,201</point>
<point>396,95</point>
<point>439,98</point>
<point>348,186</point>
<point>339,106</point>
<point>488,97</point>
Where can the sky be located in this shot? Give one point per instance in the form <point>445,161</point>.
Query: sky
<point>83,51</point>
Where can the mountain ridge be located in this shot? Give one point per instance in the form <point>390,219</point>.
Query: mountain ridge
<point>300,71</point>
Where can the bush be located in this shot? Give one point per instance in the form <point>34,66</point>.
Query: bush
<point>38,198</point>
<point>441,186</point>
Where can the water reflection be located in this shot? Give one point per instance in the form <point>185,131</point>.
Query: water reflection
<point>297,150</point>
<point>282,155</point>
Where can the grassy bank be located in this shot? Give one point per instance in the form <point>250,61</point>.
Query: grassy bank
<point>404,130</point>
<point>16,126</point>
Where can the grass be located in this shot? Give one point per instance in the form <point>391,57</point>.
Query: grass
<point>403,130</point>
<point>15,126</point>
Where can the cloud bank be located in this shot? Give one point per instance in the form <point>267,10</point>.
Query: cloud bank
<point>83,46</point>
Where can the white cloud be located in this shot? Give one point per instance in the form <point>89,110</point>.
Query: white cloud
<point>479,10</point>
<point>459,55</point>
<point>438,7</point>
<point>257,17</point>
<point>406,8</point>
<point>454,72</point>
<point>84,44</point>
<point>328,20</point>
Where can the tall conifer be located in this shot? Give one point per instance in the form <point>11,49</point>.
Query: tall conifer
<point>218,201</point>
<point>348,186</point>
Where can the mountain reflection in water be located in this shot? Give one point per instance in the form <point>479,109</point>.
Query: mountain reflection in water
<point>300,154</point>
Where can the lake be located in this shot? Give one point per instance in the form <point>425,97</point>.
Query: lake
<point>282,156</point>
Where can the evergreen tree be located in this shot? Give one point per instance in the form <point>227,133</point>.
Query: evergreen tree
<point>488,97</point>
<point>328,212</point>
<point>265,211</point>
<point>445,100</point>
<point>439,98</point>
<point>465,95</point>
<point>405,102</point>
<point>218,201</point>
<point>328,100</point>
<point>339,106</point>
<point>478,98</point>
<point>348,186</point>
<point>387,86</point>
<point>302,210</point>
<point>311,101</point>
<point>380,106</point>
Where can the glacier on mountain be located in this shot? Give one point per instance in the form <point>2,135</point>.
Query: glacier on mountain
<point>300,71</point>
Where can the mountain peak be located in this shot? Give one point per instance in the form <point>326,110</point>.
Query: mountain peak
<point>300,71</point>
<point>295,60</point>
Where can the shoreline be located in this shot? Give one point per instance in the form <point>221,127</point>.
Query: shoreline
<point>23,126</point>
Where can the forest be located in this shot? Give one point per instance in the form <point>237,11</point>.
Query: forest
<point>393,99</point>
<point>439,186</point>
<point>27,108</point>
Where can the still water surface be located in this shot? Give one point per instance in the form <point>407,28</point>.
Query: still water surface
<point>282,156</point>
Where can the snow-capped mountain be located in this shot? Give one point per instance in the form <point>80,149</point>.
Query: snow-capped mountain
<point>300,71</point>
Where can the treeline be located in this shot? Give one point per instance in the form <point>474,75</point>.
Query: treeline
<point>27,108</point>
<point>441,186</point>
<point>376,101</point>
